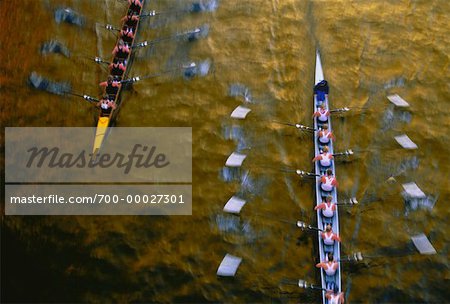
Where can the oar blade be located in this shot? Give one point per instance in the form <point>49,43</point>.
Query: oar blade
<point>413,191</point>
<point>240,112</point>
<point>70,16</point>
<point>54,46</point>
<point>398,101</point>
<point>235,160</point>
<point>405,142</point>
<point>39,82</point>
<point>234,205</point>
<point>229,266</point>
<point>422,244</point>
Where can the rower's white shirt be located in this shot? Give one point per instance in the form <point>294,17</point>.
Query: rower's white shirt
<point>324,138</point>
<point>328,238</point>
<point>329,269</point>
<point>328,211</point>
<point>327,186</point>
<point>322,115</point>
<point>104,106</point>
<point>326,159</point>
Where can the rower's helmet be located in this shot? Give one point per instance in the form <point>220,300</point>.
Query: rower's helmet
<point>325,149</point>
<point>329,172</point>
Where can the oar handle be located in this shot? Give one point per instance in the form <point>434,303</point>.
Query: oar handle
<point>340,110</point>
<point>303,226</point>
<point>302,173</point>
<point>345,153</point>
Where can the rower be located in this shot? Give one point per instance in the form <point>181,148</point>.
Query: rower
<point>329,236</point>
<point>130,19</point>
<point>328,181</point>
<point>321,91</point>
<point>112,85</point>
<point>334,296</point>
<point>322,114</point>
<point>117,68</point>
<point>127,33</point>
<point>135,5</point>
<point>325,135</point>
<point>121,50</point>
<point>325,157</point>
<point>105,104</point>
<point>327,207</point>
<point>329,266</point>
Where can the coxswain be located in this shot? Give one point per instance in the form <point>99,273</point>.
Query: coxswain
<point>121,50</point>
<point>327,207</point>
<point>130,19</point>
<point>127,33</point>
<point>334,296</point>
<point>330,266</point>
<point>135,5</point>
<point>325,157</point>
<point>117,68</point>
<point>329,236</point>
<point>322,113</point>
<point>328,181</point>
<point>325,135</point>
<point>112,85</point>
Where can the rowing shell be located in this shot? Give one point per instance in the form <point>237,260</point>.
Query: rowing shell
<point>327,281</point>
<point>107,117</point>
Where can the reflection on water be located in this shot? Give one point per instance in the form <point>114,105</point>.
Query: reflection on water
<point>261,52</point>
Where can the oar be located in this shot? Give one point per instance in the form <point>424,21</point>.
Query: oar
<point>303,284</point>
<point>189,71</point>
<point>345,153</point>
<point>298,126</point>
<point>303,226</point>
<point>350,202</point>
<point>304,173</point>
<point>420,242</point>
<point>88,98</point>
<point>187,33</point>
<point>196,7</point>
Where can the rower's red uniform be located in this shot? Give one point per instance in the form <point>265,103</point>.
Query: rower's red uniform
<point>127,33</point>
<point>121,49</point>
<point>130,19</point>
<point>135,2</point>
<point>117,68</point>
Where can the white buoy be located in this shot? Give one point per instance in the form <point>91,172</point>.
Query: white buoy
<point>229,266</point>
<point>240,112</point>
<point>398,101</point>
<point>234,205</point>
<point>235,160</point>
<point>405,142</point>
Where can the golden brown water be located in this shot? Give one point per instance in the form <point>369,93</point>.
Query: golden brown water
<point>369,49</point>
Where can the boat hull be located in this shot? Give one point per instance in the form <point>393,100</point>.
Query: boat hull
<point>326,281</point>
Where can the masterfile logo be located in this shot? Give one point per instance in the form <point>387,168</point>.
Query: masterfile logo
<point>64,155</point>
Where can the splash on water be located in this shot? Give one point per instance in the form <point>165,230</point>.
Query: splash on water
<point>39,82</point>
<point>70,16</point>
